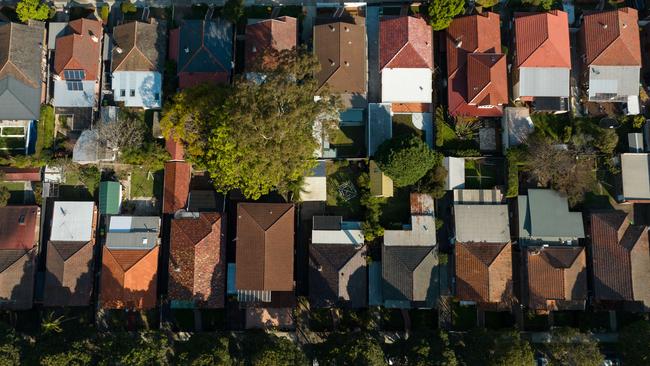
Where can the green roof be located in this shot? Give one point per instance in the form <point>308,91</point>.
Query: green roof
<point>110,195</point>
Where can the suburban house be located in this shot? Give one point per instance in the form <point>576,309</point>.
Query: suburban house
<point>137,63</point>
<point>477,84</point>
<point>338,274</point>
<point>542,60</point>
<point>406,63</point>
<point>19,231</point>
<point>203,51</point>
<point>176,186</point>
<point>77,65</point>
<point>544,218</point>
<point>110,197</point>
<point>130,263</point>
<point>555,278</point>
<point>611,55</point>
<point>410,259</point>
<point>482,251</point>
<point>635,171</point>
<point>621,261</point>
<point>265,36</point>
<point>197,260</point>
<point>21,77</point>
<point>69,275</point>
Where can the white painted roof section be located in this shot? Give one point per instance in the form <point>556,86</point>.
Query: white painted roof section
<point>74,98</point>
<point>635,169</point>
<point>633,105</point>
<point>422,231</point>
<point>314,187</point>
<point>344,236</point>
<point>146,85</point>
<point>455,172</point>
<point>544,82</point>
<point>482,223</point>
<point>620,80</point>
<point>406,85</point>
<point>72,221</point>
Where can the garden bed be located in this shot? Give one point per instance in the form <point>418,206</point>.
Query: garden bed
<point>343,191</point>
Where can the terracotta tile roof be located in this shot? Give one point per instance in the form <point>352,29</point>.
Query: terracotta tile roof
<point>176,185</point>
<point>555,274</point>
<point>78,50</point>
<point>128,278</point>
<point>476,68</point>
<point>19,227</point>
<point>197,263</point>
<point>265,238</point>
<point>175,149</point>
<point>17,268</point>
<point>277,34</point>
<point>611,38</point>
<point>613,242</point>
<point>405,42</point>
<point>143,46</point>
<point>542,40</point>
<point>484,272</point>
<point>341,50</point>
<point>11,174</point>
<point>69,275</point>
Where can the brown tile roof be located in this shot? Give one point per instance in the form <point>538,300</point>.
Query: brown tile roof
<point>143,46</point>
<point>484,272</point>
<point>11,174</point>
<point>197,262</point>
<point>277,34</point>
<point>542,39</point>
<point>69,275</point>
<point>176,185</point>
<point>17,267</point>
<point>613,242</point>
<point>476,68</point>
<point>337,272</point>
<point>611,38</point>
<point>405,42</point>
<point>264,254</point>
<point>341,50</point>
<point>128,278</point>
<point>19,227</point>
<point>78,51</point>
<point>555,275</point>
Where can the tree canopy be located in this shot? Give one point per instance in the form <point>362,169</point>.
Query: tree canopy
<point>259,348</point>
<point>426,349</point>
<point>634,343</point>
<point>406,159</point>
<point>351,348</point>
<point>32,10</point>
<point>442,12</point>
<point>568,346</point>
<point>254,136</point>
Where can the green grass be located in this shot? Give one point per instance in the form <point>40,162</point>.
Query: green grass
<point>444,134</point>
<point>403,125</point>
<point>479,176</point>
<point>396,211</point>
<point>143,186</point>
<point>7,131</point>
<point>349,141</point>
<point>339,172</point>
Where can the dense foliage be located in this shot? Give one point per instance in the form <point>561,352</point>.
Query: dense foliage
<point>425,349</point>
<point>634,343</point>
<point>358,348</point>
<point>442,12</point>
<point>568,346</point>
<point>32,10</point>
<point>406,159</point>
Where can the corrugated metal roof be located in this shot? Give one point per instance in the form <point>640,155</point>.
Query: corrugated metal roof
<point>635,169</point>
<point>613,83</point>
<point>110,196</point>
<point>72,221</point>
<point>544,82</point>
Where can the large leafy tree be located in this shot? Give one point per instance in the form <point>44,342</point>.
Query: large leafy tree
<point>483,347</point>
<point>203,350</point>
<point>634,343</point>
<point>9,347</point>
<point>264,349</point>
<point>406,159</point>
<point>425,348</point>
<point>351,348</point>
<point>32,9</point>
<point>568,346</point>
<point>442,12</point>
<point>255,136</point>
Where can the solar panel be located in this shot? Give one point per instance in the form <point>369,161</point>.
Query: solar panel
<point>74,74</point>
<point>74,85</point>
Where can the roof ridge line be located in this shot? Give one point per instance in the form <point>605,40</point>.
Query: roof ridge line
<point>18,258</point>
<point>141,258</point>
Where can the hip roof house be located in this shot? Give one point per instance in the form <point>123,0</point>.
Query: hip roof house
<point>267,36</point>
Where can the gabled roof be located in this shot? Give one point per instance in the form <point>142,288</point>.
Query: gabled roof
<point>341,50</point>
<point>176,185</point>
<point>18,101</point>
<point>17,268</point>
<point>79,50</point>
<point>265,237</point>
<point>69,275</point>
<point>197,262</point>
<point>542,40</point>
<point>556,273</point>
<point>410,274</point>
<point>18,227</point>
<point>486,79</point>
<point>128,278</point>
<point>613,241</point>
<point>277,34</point>
<point>405,42</point>
<point>484,272</point>
<point>611,38</point>
<point>142,46</point>
<point>337,272</point>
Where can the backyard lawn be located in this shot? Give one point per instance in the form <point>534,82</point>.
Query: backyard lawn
<point>479,175</point>
<point>146,184</point>
<point>343,193</point>
<point>349,141</point>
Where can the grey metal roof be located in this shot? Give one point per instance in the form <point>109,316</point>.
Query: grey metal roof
<point>635,169</point>
<point>482,223</point>
<point>89,149</point>
<point>544,214</point>
<point>544,81</point>
<point>616,82</point>
<point>19,101</point>
<point>410,274</point>
<point>133,232</point>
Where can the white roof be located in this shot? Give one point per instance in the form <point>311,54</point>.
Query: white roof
<point>482,223</point>
<point>72,221</point>
<point>63,97</point>
<point>635,169</point>
<point>455,172</point>
<point>544,82</point>
<point>622,81</point>
<point>406,85</point>
<point>146,85</point>
<point>344,236</point>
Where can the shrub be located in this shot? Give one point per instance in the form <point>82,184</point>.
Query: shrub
<point>406,159</point>
<point>104,11</point>
<point>128,7</point>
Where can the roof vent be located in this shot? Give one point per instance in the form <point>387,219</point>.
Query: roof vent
<point>254,49</point>
<point>332,63</point>
<point>118,50</point>
<point>177,269</point>
<point>145,241</point>
<point>187,50</point>
<point>603,25</point>
<point>21,220</point>
<point>349,42</point>
<point>347,63</point>
<point>94,38</point>
<point>320,268</point>
<point>346,29</point>
<point>624,25</point>
<point>332,28</point>
<point>459,43</point>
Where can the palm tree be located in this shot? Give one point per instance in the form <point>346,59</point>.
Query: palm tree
<point>50,324</point>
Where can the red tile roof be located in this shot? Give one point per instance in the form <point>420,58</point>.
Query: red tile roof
<point>484,272</point>
<point>277,34</point>
<point>78,51</point>
<point>405,42</point>
<point>11,174</point>
<point>542,40</point>
<point>611,38</point>
<point>128,279</point>
<point>176,185</point>
<point>19,227</point>
<point>197,263</point>
<point>476,68</point>
<point>174,148</point>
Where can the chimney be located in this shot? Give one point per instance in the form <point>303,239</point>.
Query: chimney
<point>118,50</point>
<point>94,38</point>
